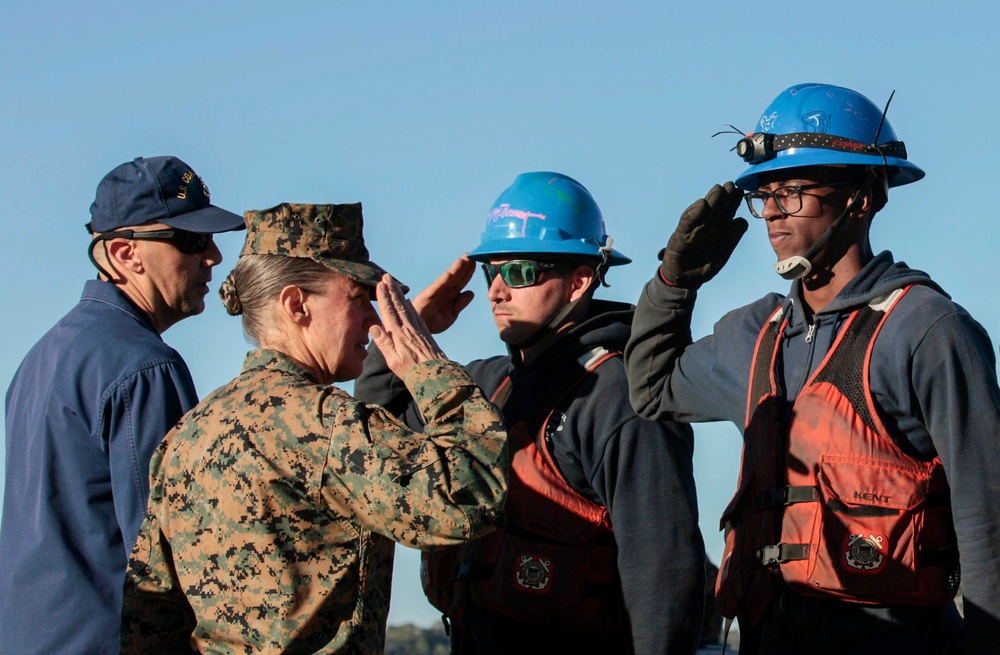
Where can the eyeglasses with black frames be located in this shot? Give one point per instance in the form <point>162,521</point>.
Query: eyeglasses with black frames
<point>788,198</point>
<point>517,273</point>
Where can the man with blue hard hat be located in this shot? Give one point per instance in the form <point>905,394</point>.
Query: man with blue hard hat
<point>90,403</point>
<point>599,548</point>
<point>867,399</point>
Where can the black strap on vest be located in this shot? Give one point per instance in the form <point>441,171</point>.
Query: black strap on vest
<point>780,496</point>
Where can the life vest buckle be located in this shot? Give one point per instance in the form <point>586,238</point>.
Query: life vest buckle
<point>770,555</point>
<point>779,553</point>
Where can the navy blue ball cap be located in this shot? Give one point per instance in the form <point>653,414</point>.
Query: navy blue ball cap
<point>158,190</point>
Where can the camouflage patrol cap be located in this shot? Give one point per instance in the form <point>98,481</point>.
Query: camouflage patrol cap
<point>328,234</point>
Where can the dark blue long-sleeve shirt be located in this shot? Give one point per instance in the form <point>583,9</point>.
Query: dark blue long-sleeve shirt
<point>87,407</point>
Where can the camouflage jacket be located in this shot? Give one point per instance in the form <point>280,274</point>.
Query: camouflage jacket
<point>275,502</point>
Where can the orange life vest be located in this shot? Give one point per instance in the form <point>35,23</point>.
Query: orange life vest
<point>827,502</point>
<point>554,558</point>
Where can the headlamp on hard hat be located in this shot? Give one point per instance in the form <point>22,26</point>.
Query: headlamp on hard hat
<point>755,148</point>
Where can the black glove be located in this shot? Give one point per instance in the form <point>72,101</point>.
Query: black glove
<point>704,239</point>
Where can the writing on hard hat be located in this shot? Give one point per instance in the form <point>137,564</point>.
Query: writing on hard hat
<point>546,213</point>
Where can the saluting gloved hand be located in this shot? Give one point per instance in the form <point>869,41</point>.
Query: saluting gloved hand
<point>704,239</point>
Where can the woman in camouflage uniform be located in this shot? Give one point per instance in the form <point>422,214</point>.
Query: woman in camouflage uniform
<point>276,502</point>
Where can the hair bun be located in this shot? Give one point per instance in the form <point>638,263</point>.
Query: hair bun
<point>229,295</point>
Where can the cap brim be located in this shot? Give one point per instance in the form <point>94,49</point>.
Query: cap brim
<point>210,219</point>
<point>367,273</point>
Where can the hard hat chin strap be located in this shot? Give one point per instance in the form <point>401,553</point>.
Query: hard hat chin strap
<point>545,335</point>
<point>549,331</point>
<point>798,266</point>
<point>605,262</point>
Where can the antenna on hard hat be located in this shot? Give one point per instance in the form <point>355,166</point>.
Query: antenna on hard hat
<point>882,122</point>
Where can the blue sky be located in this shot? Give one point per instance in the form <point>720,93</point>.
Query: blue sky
<point>425,112</point>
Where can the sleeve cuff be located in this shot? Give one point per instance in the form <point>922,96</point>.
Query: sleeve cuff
<point>428,379</point>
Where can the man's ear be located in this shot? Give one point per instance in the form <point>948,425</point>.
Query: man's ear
<point>860,203</point>
<point>872,195</point>
<point>124,253</point>
<point>292,304</point>
<point>582,278</point>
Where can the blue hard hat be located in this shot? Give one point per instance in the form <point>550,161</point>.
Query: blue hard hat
<point>823,125</point>
<point>546,214</point>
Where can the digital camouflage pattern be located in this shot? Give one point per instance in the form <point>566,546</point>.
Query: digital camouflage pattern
<point>275,502</point>
<point>328,234</point>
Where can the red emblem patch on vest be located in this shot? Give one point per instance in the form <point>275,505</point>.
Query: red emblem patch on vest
<point>865,553</point>
<point>533,573</point>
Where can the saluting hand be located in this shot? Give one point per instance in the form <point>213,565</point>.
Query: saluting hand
<point>705,237</point>
<point>441,302</point>
<point>403,336</point>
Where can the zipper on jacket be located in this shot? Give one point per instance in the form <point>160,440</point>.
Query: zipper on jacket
<point>810,339</point>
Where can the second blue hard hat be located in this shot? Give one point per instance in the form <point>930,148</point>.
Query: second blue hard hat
<point>823,125</point>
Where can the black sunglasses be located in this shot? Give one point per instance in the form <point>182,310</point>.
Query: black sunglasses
<point>189,243</point>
